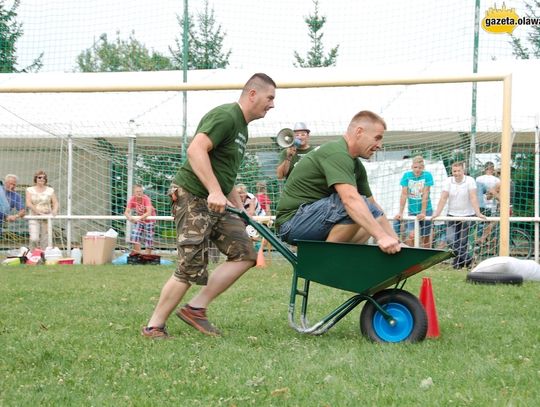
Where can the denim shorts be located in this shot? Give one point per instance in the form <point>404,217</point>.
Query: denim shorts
<point>315,220</point>
<point>425,225</point>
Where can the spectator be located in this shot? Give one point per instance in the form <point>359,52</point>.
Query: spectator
<point>14,201</point>
<point>263,198</point>
<point>289,157</point>
<point>138,209</point>
<point>486,187</point>
<point>252,207</point>
<point>249,201</point>
<point>459,191</point>
<point>327,197</point>
<point>202,188</point>
<point>40,200</point>
<point>415,187</point>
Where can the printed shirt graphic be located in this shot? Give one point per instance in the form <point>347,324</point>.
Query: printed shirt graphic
<point>226,126</point>
<point>140,205</point>
<point>415,187</point>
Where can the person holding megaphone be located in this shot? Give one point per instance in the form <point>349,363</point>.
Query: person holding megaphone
<point>294,153</point>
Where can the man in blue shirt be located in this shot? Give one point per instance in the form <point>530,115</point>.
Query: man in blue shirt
<point>14,201</point>
<point>415,189</point>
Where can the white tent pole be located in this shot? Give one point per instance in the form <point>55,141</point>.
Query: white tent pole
<point>536,185</point>
<point>69,198</point>
<point>130,173</point>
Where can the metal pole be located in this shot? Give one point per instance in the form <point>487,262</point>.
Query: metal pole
<point>130,173</point>
<point>185,56</point>
<point>472,155</point>
<point>69,207</point>
<point>536,186</point>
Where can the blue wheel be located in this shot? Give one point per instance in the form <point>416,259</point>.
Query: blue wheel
<point>409,318</point>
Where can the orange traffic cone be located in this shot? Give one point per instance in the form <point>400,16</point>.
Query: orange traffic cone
<point>428,301</point>
<point>260,256</point>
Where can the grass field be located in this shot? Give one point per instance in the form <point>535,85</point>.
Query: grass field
<point>69,336</point>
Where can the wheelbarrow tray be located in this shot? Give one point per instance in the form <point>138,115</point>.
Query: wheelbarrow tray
<point>359,268</point>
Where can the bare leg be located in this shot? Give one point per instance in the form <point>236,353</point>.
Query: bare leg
<point>221,278</point>
<point>171,294</point>
<point>343,233</point>
<point>137,247</point>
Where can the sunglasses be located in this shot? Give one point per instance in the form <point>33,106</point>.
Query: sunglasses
<point>41,177</point>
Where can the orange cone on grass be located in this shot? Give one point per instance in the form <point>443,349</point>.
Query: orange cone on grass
<point>261,262</point>
<point>428,301</point>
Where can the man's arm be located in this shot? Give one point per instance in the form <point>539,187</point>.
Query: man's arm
<point>284,166</point>
<point>425,195</point>
<point>441,204</point>
<point>402,202</point>
<point>473,197</point>
<point>197,154</point>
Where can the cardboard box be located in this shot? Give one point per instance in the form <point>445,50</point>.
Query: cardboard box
<point>98,249</point>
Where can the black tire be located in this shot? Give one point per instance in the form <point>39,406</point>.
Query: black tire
<point>520,244</point>
<point>487,277</point>
<point>411,319</point>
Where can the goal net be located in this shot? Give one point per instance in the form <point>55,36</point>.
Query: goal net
<point>95,145</point>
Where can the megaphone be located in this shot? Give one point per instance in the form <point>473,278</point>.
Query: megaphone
<point>285,138</point>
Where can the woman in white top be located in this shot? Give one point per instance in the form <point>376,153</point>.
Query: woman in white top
<point>40,200</point>
<point>460,192</point>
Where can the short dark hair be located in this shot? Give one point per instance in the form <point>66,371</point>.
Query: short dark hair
<point>256,80</point>
<point>367,115</point>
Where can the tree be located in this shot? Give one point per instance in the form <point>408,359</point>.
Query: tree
<point>315,56</point>
<point>205,44</point>
<point>120,56</point>
<point>10,32</point>
<point>521,51</point>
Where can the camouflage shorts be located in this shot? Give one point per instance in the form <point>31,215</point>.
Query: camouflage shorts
<point>195,227</point>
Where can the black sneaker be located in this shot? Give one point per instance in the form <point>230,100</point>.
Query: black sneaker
<point>198,320</point>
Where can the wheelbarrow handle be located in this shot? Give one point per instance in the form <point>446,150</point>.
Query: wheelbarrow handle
<point>236,211</point>
<point>266,234</point>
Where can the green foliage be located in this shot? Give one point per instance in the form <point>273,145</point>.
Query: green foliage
<point>520,50</point>
<point>120,56</point>
<point>205,44</point>
<point>10,33</point>
<point>250,172</point>
<point>522,178</point>
<point>315,56</point>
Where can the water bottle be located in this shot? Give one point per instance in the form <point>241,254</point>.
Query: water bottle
<point>76,255</point>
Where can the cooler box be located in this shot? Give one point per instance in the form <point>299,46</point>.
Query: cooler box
<point>98,249</point>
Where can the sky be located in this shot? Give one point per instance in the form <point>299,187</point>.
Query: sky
<point>264,34</point>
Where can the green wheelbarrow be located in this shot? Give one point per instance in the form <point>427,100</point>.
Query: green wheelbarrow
<point>389,314</point>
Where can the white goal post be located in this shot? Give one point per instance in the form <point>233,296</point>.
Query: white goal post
<point>171,81</point>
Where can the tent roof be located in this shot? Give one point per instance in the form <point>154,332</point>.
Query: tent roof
<point>406,108</point>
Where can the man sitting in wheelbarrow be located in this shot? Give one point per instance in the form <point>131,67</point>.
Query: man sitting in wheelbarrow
<point>327,195</point>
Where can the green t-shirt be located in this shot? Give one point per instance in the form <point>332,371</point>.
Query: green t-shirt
<point>315,175</point>
<point>294,160</point>
<point>226,126</point>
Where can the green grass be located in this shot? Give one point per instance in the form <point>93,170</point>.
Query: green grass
<point>69,335</point>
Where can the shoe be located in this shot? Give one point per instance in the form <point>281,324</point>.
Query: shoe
<point>198,320</point>
<point>154,332</point>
